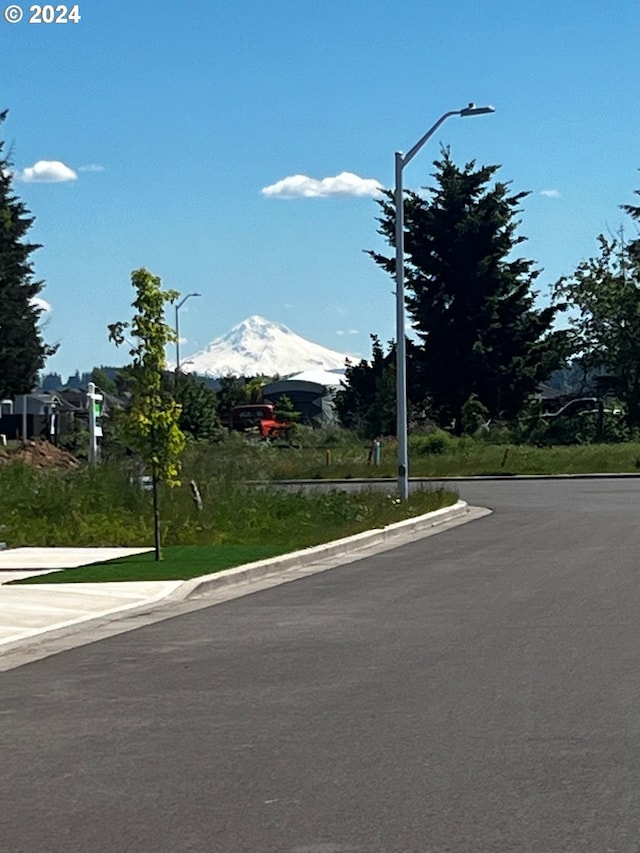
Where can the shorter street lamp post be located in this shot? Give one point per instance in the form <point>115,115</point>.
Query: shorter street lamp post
<point>401,161</point>
<point>178,307</point>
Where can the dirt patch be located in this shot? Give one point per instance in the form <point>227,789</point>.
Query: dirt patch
<point>41,455</point>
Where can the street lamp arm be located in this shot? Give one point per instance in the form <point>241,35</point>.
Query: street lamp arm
<point>177,333</point>
<point>184,299</point>
<point>406,158</point>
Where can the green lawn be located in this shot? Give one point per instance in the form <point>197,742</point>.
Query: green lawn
<point>180,562</point>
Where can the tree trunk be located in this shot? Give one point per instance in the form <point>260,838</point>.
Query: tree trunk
<point>156,518</point>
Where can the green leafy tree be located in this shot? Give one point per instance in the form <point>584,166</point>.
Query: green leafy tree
<point>605,292</point>
<point>152,422</point>
<point>22,350</point>
<point>254,385</point>
<point>471,301</point>
<point>103,381</point>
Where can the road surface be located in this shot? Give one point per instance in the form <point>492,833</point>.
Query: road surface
<point>475,691</point>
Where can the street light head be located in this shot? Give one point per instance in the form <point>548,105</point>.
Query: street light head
<point>472,110</point>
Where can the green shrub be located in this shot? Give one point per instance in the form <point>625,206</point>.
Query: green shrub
<point>580,429</point>
<point>435,444</point>
<point>475,415</point>
<point>495,434</point>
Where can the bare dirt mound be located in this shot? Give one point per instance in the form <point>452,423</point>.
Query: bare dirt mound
<point>41,454</point>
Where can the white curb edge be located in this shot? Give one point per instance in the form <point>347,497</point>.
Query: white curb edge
<point>348,545</point>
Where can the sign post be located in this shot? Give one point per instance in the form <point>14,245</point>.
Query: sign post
<point>94,402</point>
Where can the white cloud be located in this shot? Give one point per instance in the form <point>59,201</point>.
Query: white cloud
<point>41,304</point>
<point>353,332</point>
<point>344,184</point>
<point>47,172</point>
<point>339,331</point>
<point>551,193</point>
<point>91,167</point>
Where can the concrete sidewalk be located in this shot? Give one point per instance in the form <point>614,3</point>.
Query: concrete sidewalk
<point>26,611</point>
<point>32,610</point>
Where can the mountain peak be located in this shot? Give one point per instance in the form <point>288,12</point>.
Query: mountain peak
<point>256,323</point>
<point>257,320</point>
<point>260,346</point>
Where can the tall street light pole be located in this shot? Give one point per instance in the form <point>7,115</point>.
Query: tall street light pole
<point>178,307</point>
<point>403,160</point>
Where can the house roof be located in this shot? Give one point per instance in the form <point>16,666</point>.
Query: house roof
<point>328,378</point>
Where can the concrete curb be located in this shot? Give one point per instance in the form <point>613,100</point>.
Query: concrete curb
<point>91,627</point>
<point>297,559</point>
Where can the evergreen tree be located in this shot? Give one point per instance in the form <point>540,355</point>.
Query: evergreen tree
<point>471,301</point>
<point>22,351</point>
<point>286,412</point>
<point>633,248</point>
<point>198,408</point>
<point>364,403</point>
<point>367,400</point>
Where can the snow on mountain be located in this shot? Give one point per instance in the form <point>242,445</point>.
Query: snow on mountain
<point>259,346</point>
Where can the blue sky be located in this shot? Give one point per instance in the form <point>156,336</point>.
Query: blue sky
<point>172,120</point>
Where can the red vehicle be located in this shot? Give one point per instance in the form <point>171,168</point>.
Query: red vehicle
<point>247,417</point>
<point>270,428</point>
<point>258,417</point>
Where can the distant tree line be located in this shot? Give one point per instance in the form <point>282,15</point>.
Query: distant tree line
<point>482,342</point>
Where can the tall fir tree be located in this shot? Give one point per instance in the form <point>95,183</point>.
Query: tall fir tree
<point>22,350</point>
<point>633,247</point>
<point>471,301</point>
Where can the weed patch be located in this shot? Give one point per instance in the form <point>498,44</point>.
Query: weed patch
<point>106,505</point>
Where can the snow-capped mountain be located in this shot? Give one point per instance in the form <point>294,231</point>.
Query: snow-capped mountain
<point>259,346</point>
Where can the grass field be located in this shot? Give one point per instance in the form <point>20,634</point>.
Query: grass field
<point>106,505</point>
<point>459,457</point>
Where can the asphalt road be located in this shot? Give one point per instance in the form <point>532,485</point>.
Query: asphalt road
<point>475,691</point>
